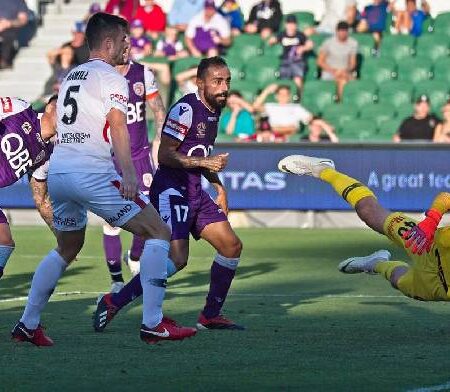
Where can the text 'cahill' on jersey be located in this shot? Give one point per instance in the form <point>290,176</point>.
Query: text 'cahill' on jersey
<point>195,126</point>
<point>22,149</point>
<point>88,93</point>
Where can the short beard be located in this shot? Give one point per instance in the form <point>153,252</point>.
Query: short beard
<point>212,101</point>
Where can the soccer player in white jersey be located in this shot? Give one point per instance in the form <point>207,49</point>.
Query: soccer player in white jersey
<point>82,177</point>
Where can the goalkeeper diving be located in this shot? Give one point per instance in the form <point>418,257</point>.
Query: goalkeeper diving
<point>426,277</point>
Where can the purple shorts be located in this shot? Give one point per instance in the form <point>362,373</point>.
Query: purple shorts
<point>185,216</point>
<point>3,217</point>
<point>144,172</point>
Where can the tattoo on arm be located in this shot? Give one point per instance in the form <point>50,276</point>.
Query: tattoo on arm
<point>159,111</point>
<point>42,200</point>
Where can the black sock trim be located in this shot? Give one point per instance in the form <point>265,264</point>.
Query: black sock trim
<point>347,190</point>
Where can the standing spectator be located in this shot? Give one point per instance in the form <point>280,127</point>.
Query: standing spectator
<point>236,119</point>
<point>125,8</point>
<point>183,11</point>
<point>421,125</point>
<point>295,45</point>
<point>152,16</point>
<point>141,46</point>
<point>337,57</point>
<point>374,19</point>
<point>170,46</point>
<point>265,18</point>
<point>13,16</point>
<point>207,32</point>
<point>442,131</point>
<point>231,11</point>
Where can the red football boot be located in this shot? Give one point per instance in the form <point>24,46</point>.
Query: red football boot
<point>167,329</point>
<point>20,333</point>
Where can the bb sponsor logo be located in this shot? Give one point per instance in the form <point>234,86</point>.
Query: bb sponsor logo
<point>176,126</point>
<point>139,89</point>
<point>27,128</point>
<point>7,105</point>
<point>123,211</point>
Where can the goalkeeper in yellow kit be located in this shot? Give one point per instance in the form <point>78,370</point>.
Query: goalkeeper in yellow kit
<point>428,275</point>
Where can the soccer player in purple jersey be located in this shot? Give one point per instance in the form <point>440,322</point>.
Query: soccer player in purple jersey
<point>143,89</point>
<point>24,149</point>
<point>187,140</point>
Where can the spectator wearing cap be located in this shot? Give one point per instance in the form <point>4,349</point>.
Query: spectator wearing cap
<point>170,46</point>
<point>208,32</point>
<point>13,16</point>
<point>421,125</point>
<point>337,57</point>
<point>78,44</point>
<point>125,8</point>
<point>152,17</point>
<point>442,131</point>
<point>373,19</point>
<point>265,18</point>
<point>183,11</point>
<point>141,46</point>
<point>295,45</point>
<point>236,120</point>
<point>231,11</point>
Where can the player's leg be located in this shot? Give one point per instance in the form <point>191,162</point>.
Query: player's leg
<point>6,242</point>
<point>112,247</point>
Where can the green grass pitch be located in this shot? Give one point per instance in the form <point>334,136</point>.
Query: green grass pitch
<point>310,328</point>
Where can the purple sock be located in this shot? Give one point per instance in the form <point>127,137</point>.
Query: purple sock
<point>137,247</point>
<point>130,291</point>
<point>223,270</point>
<point>113,253</point>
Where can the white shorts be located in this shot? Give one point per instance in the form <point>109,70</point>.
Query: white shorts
<point>41,173</point>
<point>73,194</point>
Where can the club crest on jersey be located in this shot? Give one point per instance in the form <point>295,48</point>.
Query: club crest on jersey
<point>147,179</point>
<point>201,130</point>
<point>139,89</point>
<point>7,105</point>
<point>27,128</point>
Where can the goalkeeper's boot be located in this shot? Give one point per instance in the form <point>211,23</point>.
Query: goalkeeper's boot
<point>218,322</point>
<point>104,313</point>
<point>20,333</point>
<point>356,265</point>
<point>303,165</point>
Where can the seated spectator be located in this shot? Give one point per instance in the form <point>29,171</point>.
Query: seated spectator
<point>186,80</point>
<point>141,46</point>
<point>442,130</point>
<point>265,133</point>
<point>13,16</point>
<point>125,8</point>
<point>320,131</point>
<point>337,58</point>
<point>295,45</point>
<point>79,43</point>
<point>235,119</point>
<point>152,17</point>
<point>170,46</point>
<point>373,19</point>
<point>183,11</point>
<point>411,20</point>
<point>421,125</point>
<point>335,11</point>
<point>231,11</point>
<point>207,32</point>
<point>265,18</point>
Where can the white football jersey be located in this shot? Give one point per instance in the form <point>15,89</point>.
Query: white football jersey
<point>11,106</point>
<point>85,98</point>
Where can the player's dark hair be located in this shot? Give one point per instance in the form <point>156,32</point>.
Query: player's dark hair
<point>209,62</point>
<point>101,26</point>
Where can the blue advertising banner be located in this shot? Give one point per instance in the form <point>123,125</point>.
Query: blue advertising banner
<point>404,177</point>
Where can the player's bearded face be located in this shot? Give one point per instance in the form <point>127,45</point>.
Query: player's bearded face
<point>216,87</point>
<point>121,49</point>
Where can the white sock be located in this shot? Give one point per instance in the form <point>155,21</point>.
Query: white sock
<point>153,280</point>
<point>44,281</point>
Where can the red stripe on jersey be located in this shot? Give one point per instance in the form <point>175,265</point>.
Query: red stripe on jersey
<point>105,132</point>
<point>152,95</point>
<point>176,126</point>
<point>7,105</point>
<point>141,203</point>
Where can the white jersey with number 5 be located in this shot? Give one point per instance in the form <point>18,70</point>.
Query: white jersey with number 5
<point>86,96</point>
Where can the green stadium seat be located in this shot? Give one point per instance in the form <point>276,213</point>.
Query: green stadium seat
<point>317,94</point>
<point>181,65</point>
<point>318,39</point>
<point>414,70</point>
<point>365,44</point>
<point>405,111</point>
<point>389,127</point>
<point>378,69</point>
<point>428,26</point>
<point>433,46</point>
<point>312,70</point>
<point>248,89</point>
<point>441,70</point>
<point>338,113</point>
<point>304,19</point>
<point>246,46</point>
<point>396,93</point>
<point>152,59</point>
<point>236,67</point>
<point>360,93</point>
<point>262,70</point>
<point>397,47</point>
<point>357,130</point>
<point>442,24</point>
<point>378,113</point>
<point>437,91</point>
<point>274,51</point>
<point>224,138</point>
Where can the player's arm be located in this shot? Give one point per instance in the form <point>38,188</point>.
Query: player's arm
<point>214,180</point>
<point>159,112</point>
<point>420,237</point>
<point>48,120</point>
<point>41,198</point>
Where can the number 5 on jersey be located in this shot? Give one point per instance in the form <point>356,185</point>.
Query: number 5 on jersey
<point>70,105</point>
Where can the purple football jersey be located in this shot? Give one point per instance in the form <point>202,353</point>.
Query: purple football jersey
<point>22,148</point>
<point>195,126</point>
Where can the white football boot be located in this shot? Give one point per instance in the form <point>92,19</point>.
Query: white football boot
<point>303,165</point>
<point>356,265</point>
<point>134,266</point>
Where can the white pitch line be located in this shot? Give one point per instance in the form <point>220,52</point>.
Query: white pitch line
<point>441,387</point>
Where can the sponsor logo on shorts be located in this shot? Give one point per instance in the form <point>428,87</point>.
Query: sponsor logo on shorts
<point>201,130</point>
<point>139,89</point>
<point>27,128</point>
<point>74,137</point>
<point>176,126</point>
<point>67,222</point>
<point>123,211</point>
<point>7,105</point>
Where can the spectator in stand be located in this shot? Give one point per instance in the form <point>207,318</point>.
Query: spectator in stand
<point>320,131</point>
<point>208,32</point>
<point>186,80</point>
<point>421,125</point>
<point>265,18</point>
<point>141,46</point>
<point>13,16</point>
<point>183,11</point>
<point>335,11</point>
<point>125,8</point>
<point>236,120</point>
<point>170,46</point>
<point>442,130</point>
<point>93,9</point>
<point>79,43</point>
<point>295,45</point>
<point>231,11</point>
<point>337,57</point>
<point>153,18</point>
<point>410,20</point>
<point>373,19</point>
